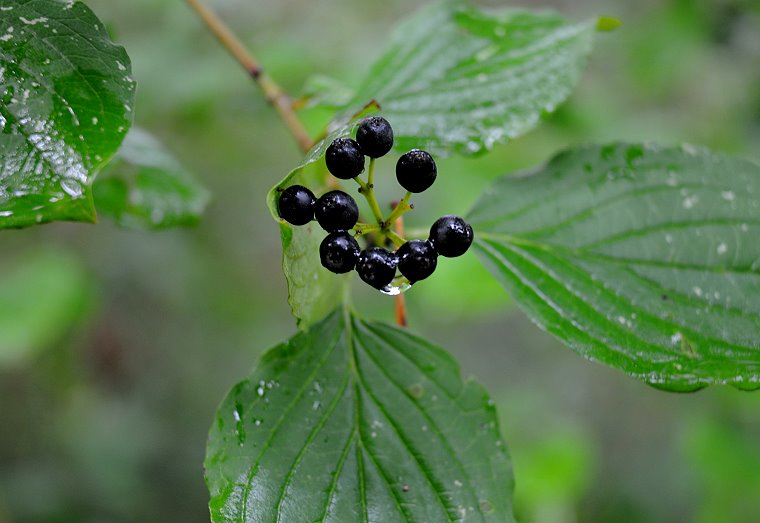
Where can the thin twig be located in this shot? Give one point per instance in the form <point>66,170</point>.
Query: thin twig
<point>273,93</point>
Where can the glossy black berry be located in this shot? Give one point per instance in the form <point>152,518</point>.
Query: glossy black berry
<point>451,236</point>
<point>375,136</point>
<point>338,252</point>
<point>416,171</point>
<point>377,266</point>
<point>417,259</point>
<point>296,205</point>
<point>336,211</point>
<point>344,159</point>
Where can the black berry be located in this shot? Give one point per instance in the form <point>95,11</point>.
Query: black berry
<point>416,171</point>
<point>375,136</point>
<point>336,211</point>
<point>338,252</point>
<point>296,205</point>
<point>344,159</point>
<point>417,259</point>
<point>377,266</point>
<point>451,236</point>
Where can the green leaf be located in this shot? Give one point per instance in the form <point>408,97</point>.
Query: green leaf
<point>41,298</point>
<point>357,421</point>
<point>458,79</point>
<point>644,258</point>
<point>66,98</point>
<point>312,290</point>
<point>146,187</point>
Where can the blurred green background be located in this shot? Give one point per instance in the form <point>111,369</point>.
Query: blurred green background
<point>117,345</point>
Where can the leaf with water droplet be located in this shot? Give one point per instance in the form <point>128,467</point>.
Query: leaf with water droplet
<point>145,187</point>
<point>641,261</point>
<point>367,449</point>
<point>66,98</point>
<point>459,79</point>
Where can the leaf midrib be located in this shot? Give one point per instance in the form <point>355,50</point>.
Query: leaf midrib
<point>353,347</point>
<point>433,426</point>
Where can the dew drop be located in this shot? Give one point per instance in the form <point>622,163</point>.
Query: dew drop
<point>690,201</point>
<point>398,286</point>
<point>416,390</point>
<point>72,188</point>
<point>33,21</point>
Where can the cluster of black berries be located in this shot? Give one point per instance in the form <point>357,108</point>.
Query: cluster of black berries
<point>337,212</point>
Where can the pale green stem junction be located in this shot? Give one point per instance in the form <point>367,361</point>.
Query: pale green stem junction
<point>401,208</point>
<point>383,226</point>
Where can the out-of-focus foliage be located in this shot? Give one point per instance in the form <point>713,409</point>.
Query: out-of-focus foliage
<point>144,186</point>
<point>725,458</point>
<point>43,297</point>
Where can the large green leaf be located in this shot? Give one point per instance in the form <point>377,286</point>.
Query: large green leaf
<point>144,186</point>
<point>644,258</point>
<point>66,98</point>
<point>357,421</point>
<point>459,79</point>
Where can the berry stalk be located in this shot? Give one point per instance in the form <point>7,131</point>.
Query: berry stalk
<point>368,190</point>
<point>273,93</point>
<point>397,240</point>
<point>401,207</point>
<point>366,228</point>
